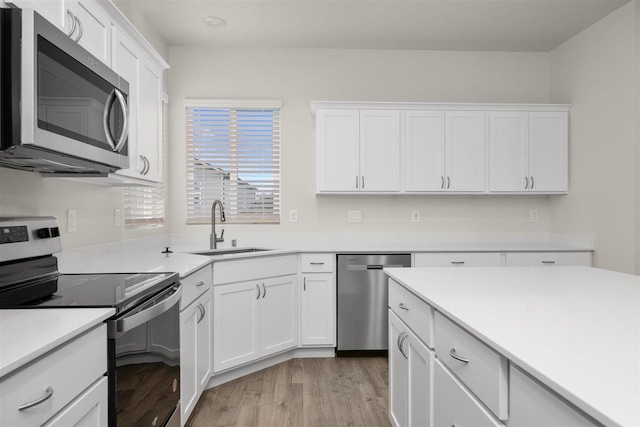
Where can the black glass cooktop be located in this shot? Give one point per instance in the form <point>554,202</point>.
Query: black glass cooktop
<point>120,290</point>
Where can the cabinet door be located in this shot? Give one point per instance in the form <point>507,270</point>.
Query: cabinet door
<point>549,259</point>
<point>53,11</point>
<point>149,142</point>
<point>204,342</point>
<point>458,259</point>
<point>338,152</point>
<point>235,324</point>
<point>87,410</point>
<point>548,152</point>
<point>278,315</point>
<point>126,62</point>
<point>508,151</point>
<point>398,374</point>
<point>424,151</point>
<point>96,29</point>
<point>420,362</point>
<point>465,151</point>
<point>188,361</point>
<point>380,150</point>
<point>317,316</point>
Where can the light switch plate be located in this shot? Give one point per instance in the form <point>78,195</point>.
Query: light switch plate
<point>533,215</point>
<point>72,217</point>
<point>355,217</point>
<point>415,216</point>
<point>117,218</point>
<point>293,215</point>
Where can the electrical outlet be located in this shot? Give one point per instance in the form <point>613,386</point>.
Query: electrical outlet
<point>71,220</point>
<point>415,216</point>
<point>293,215</point>
<point>117,218</point>
<point>355,217</point>
<point>533,214</point>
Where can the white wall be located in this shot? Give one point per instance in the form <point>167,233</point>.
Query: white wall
<point>594,71</point>
<point>298,76</point>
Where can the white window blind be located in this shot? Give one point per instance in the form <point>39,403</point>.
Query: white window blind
<point>145,206</point>
<point>233,154</point>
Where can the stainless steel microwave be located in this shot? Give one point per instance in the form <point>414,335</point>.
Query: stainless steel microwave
<point>62,111</point>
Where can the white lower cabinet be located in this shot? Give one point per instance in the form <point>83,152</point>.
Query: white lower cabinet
<point>63,382</point>
<point>90,409</point>
<point>253,319</point>
<point>550,259</point>
<point>410,377</point>
<point>532,405</point>
<point>455,405</point>
<point>458,259</point>
<point>196,354</point>
<point>318,300</point>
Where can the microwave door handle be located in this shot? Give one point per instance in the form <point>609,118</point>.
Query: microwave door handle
<point>105,119</point>
<point>136,319</point>
<point>125,126</point>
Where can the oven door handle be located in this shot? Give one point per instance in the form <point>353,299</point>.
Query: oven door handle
<point>169,298</point>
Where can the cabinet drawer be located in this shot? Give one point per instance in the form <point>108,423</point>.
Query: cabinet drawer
<point>195,285</point>
<point>458,259</point>
<point>417,314</point>
<point>67,370</point>
<point>485,371</point>
<point>532,405</point>
<point>254,268</point>
<point>454,405</point>
<point>317,263</point>
<point>535,259</point>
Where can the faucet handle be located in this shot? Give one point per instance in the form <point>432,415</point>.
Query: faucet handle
<point>222,234</point>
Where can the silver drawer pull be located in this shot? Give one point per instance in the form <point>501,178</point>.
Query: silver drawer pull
<point>47,394</point>
<point>548,262</point>
<point>316,263</point>
<point>403,307</point>
<point>453,354</point>
<point>457,262</point>
<point>200,284</point>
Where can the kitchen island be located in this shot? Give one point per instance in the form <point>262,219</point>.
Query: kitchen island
<point>575,330</point>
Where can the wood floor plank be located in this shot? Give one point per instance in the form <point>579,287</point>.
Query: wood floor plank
<point>323,392</point>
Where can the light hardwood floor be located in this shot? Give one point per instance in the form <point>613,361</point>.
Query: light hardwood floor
<point>343,391</point>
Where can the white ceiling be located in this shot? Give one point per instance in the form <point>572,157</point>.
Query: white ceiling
<point>483,25</point>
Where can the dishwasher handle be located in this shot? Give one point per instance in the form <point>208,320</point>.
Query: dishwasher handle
<point>375,267</point>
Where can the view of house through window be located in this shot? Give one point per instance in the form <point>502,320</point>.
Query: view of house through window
<point>233,154</point>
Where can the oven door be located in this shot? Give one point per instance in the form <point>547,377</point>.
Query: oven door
<point>144,363</point>
<point>72,103</point>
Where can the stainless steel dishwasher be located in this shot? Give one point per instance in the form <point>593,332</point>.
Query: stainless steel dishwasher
<point>363,301</point>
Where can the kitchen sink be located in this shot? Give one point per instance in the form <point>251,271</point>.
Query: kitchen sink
<point>230,251</point>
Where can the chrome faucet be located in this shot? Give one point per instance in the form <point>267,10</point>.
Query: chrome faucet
<point>214,239</point>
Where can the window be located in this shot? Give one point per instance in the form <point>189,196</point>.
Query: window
<point>144,206</point>
<point>233,154</point>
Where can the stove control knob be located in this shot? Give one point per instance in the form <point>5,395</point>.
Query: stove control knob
<point>55,232</point>
<point>43,233</point>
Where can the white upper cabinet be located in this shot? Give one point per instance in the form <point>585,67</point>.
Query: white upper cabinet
<point>528,152</point>
<point>358,151</point>
<point>465,151</point>
<point>385,147</point>
<point>424,151</point>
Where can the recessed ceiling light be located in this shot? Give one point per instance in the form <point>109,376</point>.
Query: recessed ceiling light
<point>214,21</point>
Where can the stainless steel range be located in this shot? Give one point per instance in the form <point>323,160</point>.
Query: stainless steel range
<point>143,336</point>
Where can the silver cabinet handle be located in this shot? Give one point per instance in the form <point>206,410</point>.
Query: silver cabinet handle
<point>363,182</point>
<point>200,284</point>
<point>47,395</point>
<point>73,23</point>
<point>402,344</point>
<point>400,337</point>
<point>144,165</point>
<point>148,167</point>
<point>264,290</point>
<point>548,262</point>
<point>304,284</point>
<point>202,312</point>
<point>457,262</point>
<point>356,182</point>
<point>526,183</point>
<point>316,263</point>
<point>453,354</point>
<point>403,307</point>
<point>258,288</point>
<point>448,182</point>
<point>532,183</point>
<point>80,29</point>
<point>442,182</point>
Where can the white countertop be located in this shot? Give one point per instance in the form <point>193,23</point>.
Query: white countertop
<point>576,329</point>
<point>29,333</point>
